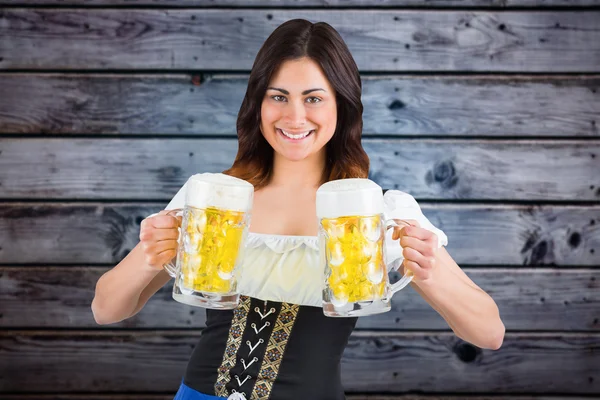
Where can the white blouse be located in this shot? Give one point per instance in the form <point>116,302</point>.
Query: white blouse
<point>286,268</point>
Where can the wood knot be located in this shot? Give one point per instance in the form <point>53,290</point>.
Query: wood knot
<point>396,105</point>
<point>466,352</point>
<point>574,239</point>
<point>444,174</point>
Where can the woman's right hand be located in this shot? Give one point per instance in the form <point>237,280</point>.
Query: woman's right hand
<point>158,238</point>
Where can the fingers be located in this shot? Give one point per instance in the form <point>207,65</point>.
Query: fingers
<point>162,221</point>
<point>412,268</point>
<point>156,235</point>
<point>421,246</point>
<point>157,254</point>
<point>413,255</point>
<point>409,222</point>
<point>415,232</point>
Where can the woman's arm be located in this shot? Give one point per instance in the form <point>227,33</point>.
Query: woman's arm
<point>469,311</point>
<point>122,292</point>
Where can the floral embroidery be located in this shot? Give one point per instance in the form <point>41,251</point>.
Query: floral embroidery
<point>238,325</point>
<point>274,353</point>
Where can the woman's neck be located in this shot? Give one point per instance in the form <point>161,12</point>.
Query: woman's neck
<point>307,173</point>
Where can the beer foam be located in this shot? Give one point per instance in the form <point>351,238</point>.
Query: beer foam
<point>219,190</point>
<point>349,197</point>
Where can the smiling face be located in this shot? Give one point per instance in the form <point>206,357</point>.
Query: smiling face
<point>298,112</point>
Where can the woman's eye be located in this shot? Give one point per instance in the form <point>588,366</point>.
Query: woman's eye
<point>278,98</point>
<point>313,100</point>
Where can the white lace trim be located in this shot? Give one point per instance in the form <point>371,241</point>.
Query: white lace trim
<point>281,243</point>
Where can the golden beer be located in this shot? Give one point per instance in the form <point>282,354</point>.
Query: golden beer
<point>355,268</point>
<point>211,244</point>
<point>215,219</point>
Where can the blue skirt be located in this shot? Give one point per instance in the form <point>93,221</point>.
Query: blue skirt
<point>187,393</point>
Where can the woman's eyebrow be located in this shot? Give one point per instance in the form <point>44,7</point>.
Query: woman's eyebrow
<point>305,92</point>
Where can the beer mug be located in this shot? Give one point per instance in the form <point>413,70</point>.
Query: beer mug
<point>352,248</point>
<point>215,222</point>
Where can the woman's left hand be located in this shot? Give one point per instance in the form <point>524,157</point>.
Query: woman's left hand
<point>419,248</point>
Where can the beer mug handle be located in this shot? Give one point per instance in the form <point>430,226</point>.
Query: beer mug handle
<point>171,266</point>
<point>408,276</point>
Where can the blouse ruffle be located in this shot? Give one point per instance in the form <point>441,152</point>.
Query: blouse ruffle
<point>281,243</point>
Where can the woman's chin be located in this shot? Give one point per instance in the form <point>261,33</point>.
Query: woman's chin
<point>297,155</point>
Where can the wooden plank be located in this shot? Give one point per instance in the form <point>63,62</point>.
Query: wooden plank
<point>393,105</point>
<point>313,3</point>
<point>479,234</point>
<point>142,169</point>
<point>372,363</point>
<point>528,299</point>
<point>380,40</point>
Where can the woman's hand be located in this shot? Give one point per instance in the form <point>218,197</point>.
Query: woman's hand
<point>158,238</point>
<point>419,248</point>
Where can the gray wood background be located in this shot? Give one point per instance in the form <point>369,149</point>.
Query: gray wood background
<point>486,111</point>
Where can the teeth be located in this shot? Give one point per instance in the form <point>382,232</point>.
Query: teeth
<point>298,136</point>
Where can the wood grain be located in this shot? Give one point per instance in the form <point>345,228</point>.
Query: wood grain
<point>380,40</point>
<point>349,397</point>
<point>171,104</point>
<point>479,234</point>
<point>142,169</point>
<point>60,362</point>
<point>312,3</point>
<point>529,300</point>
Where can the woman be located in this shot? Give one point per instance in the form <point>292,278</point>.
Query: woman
<point>299,126</point>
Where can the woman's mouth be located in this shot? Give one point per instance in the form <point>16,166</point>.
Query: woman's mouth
<point>295,137</point>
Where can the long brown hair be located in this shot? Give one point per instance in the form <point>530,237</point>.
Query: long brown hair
<point>294,39</point>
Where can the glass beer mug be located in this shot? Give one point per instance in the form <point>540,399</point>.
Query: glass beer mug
<point>215,222</point>
<point>352,248</point>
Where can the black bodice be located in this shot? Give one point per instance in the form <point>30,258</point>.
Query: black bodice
<point>271,350</point>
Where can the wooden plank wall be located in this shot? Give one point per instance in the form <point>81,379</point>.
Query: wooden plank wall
<point>487,111</point>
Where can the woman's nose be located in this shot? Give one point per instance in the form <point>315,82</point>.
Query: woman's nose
<point>295,115</point>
